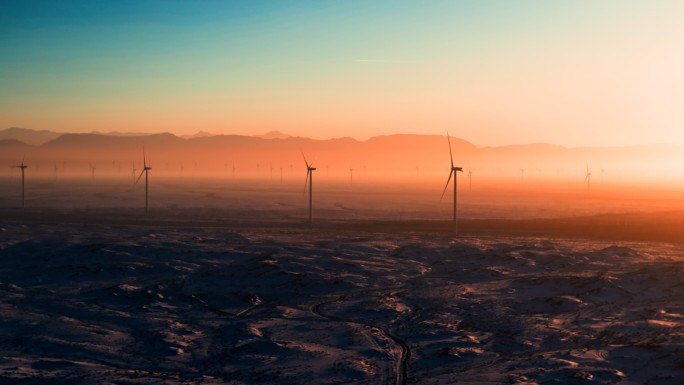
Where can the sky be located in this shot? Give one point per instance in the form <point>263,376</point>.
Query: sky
<point>573,73</point>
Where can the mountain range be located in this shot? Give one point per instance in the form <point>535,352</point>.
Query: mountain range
<point>391,155</point>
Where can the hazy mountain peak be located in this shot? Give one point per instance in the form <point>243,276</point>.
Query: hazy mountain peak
<point>274,135</point>
<point>198,134</point>
<point>28,136</point>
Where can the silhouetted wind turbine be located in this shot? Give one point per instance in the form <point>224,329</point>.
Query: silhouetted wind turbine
<point>92,170</point>
<point>470,179</point>
<point>351,176</point>
<point>453,171</point>
<point>587,178</point>
<point>22,167</point>
<point>309,180</point>
<point>145,171</point>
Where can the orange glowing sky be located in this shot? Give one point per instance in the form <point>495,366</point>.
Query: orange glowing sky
<point>579,73</point>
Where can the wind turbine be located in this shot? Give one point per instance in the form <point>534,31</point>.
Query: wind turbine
<point>92,170</point>
<point>587,178</point>
<point>453,171</point>
<point>134,170</point>
<point>470,179</point>
<point>351,176</point>
<point>22,167</point>
<point>145,171</point>
<point>309,180</point>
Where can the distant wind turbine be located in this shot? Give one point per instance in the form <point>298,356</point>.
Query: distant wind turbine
<point>145,171</point>
<point>470,179</point>
<point>351,176</point>
<point>22,167</point>
<point>452,172</point>
<point>309,180</point>
<point>92,170</point>
<point>587,178</point>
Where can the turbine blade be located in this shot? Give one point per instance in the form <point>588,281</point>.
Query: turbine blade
<point>447,184</point>
<point>305,161</point>
<point>139,176</point>
<point>450,155</point>
<point>144,158</point>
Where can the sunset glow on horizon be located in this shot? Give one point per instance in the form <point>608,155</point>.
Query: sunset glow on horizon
<point>494,73</point>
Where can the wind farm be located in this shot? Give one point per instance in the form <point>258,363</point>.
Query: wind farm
<point>255,259</point>
<point>559,260</point>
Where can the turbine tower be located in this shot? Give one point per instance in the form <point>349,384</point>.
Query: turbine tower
<point>145,171</point>
<point>22,167</point>
<point>309,180</point>
<point>453,171</point>
<point>92,170</point>
<point>587,178</point>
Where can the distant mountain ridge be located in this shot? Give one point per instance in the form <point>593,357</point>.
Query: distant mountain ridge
<point>29,136</point>
<point>386,156</point>
<point>39,137</point>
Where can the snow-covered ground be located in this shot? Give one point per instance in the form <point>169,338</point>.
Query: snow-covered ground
<point>142,304</point>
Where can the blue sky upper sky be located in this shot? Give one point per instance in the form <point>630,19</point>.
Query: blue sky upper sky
<point>493,72</point>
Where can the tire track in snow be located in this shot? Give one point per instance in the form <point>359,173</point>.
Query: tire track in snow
<point>400,365</point>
